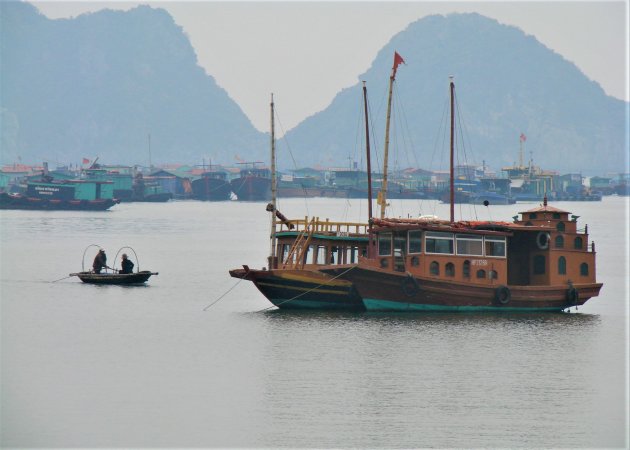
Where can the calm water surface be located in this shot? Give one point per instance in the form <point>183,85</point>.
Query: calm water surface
<point>89,366</point>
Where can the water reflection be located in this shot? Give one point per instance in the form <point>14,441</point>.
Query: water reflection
<point>565,319</point>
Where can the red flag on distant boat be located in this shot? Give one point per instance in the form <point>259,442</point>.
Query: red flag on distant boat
<point>397,61</point>
<point>523,137</point>
<point>86,161</point>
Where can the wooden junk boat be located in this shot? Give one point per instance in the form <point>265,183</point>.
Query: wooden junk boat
<point>114,277</point>
<point>539,262</point>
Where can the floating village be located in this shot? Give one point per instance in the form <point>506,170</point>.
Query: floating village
<point>95,186</point>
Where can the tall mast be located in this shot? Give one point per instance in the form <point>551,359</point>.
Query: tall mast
<point>383,196</point>
<point>272,253</point>
<point>367,150</point>
<point>452,175</point>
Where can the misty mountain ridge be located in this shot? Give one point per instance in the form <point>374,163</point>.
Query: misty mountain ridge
<point>101,83</point>
<point>507,83</point>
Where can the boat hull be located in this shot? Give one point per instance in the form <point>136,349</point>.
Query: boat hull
<point>303,289</point>
<point>9,201</point>
<point>115,278</point>
<point>386,291</point>
<point>252,188</point>
<point>211,189</point>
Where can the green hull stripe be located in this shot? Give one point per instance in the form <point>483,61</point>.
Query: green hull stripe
<point>385,305</point>
<point>308,304</point>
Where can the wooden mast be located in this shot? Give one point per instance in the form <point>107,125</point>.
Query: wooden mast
<point>272,237</point>
<point>367,150</point>
<point>383,193</point>
<point>369,169</point>
<point>452,174</point>
<point>382,200</point>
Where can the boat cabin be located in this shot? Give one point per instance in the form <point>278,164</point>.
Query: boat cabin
<point>542,248</point>
<point>307,243</point>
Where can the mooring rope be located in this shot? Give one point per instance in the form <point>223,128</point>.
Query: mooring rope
<point>306,292</point>
<point>228,291</point>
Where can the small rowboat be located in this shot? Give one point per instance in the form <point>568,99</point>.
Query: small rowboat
<point>114,278</point>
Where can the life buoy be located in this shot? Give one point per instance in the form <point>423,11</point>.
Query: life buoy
<point>502,295</point>
<point>542,240</point>
<point>572,296</point>
<point>410,286</point>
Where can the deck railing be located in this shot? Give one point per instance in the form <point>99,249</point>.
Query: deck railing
<point>323,226</point>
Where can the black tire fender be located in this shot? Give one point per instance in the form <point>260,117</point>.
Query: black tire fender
<point>502,295</point>
<point>573,296</point>
<point>542,240</point>
<point>410,286</point>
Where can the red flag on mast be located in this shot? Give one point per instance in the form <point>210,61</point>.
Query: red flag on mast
<point>86,161</point>
<point>523,137</point>
<point>397,61</point>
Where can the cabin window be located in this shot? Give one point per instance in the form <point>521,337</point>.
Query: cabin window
<point>384,244</point>
<point>415,242</point>
<point>466,269</point>
<point>559,242</point>
<point>556,215</point>
<point>584,269</point>
<point>384,263</point>
<point>449,269</point>
<point>469,244</point>
<point>532,216</point>
<point>528,223</point>
<point>560,226</point>
<point>539,265</point>
<point>334,255</point>
<point>562,266</point>
<point>434,268</point>
<point>352,255</point>
<point>309,256</point>
<point>437,242</point>
<point>495,246</point>
<point>415,261</point>
<point>481,273</point>
<point>321,254</point>
<point>578,243</point>
<point>493,275</point>
<point>285,252</point>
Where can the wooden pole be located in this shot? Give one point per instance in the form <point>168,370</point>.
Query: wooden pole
<point>452,174</point>
<point>272,236</point>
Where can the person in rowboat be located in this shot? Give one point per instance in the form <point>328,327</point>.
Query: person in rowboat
<point>100,261</point>
<point>126,265</point>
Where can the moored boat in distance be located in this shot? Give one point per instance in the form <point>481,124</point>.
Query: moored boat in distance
<point>253,183</point>
<point>212,185</point>
<point>47,193</point>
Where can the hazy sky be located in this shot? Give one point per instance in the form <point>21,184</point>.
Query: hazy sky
<point>306,52</point>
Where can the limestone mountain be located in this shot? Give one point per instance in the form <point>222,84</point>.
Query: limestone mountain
<point>507,83</point>
<point>101,83</point>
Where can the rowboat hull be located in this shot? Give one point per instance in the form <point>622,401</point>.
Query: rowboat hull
<point>114,278</point>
